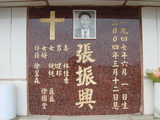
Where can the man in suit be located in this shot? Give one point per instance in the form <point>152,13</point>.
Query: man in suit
<point>85,31</point>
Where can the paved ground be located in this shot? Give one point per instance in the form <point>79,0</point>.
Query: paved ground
<point>105,117</point>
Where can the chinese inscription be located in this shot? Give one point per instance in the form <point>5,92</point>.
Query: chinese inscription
<point>84,77</point>
<point>119,67</point>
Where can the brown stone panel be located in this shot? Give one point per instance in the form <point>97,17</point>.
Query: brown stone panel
<point>40,55</point>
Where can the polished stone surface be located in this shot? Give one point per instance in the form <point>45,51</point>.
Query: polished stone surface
<point>62,70</point>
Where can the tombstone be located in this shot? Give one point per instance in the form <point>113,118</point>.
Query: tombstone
<point>69,74</point>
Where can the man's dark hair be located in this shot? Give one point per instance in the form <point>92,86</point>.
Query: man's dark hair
<point>84,13</point>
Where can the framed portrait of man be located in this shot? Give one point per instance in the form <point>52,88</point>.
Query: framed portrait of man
<point>84,24</point>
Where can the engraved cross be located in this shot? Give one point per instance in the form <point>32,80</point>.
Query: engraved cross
<point>52,20</point>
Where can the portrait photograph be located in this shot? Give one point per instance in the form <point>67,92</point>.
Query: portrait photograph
<point>84,24</point>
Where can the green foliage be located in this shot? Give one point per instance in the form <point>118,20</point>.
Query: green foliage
<point>152,77</point>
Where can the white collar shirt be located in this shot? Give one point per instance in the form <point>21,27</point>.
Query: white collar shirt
<point>83,33</point>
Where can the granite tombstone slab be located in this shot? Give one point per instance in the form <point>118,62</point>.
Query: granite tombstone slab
<point>99,76</point>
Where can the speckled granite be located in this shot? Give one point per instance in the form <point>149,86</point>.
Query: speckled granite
<point>51,83</point>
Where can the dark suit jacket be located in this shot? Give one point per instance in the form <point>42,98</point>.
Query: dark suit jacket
<point>78,33</point>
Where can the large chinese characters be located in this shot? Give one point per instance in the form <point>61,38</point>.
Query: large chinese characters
<point>68,76</point>
<point>85,75</point>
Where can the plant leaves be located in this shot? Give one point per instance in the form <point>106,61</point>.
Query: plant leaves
<point>152,77</point>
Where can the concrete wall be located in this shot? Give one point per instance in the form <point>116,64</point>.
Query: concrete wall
<point>151,50</point>
<point>13,24</point>
<point>13,31</point>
